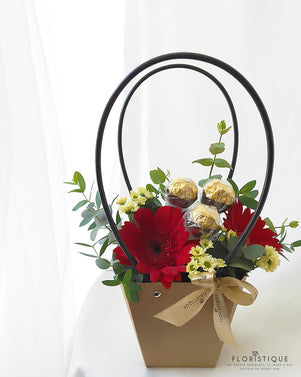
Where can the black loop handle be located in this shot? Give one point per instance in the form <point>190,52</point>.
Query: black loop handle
<point>259,104</point>
<point>160,69</point>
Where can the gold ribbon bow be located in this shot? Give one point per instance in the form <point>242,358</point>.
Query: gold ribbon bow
<point>189,306</point>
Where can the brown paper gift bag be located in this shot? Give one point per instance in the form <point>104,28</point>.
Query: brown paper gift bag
<point>195,344</point>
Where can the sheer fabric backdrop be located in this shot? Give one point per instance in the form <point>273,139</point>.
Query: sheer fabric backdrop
<point>36,286</point>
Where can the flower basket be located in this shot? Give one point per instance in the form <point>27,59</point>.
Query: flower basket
<point>183,253</point>
<point>162,344</point>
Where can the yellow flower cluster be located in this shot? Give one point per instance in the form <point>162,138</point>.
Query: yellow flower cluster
<point>270,260</point>
<point>202,261</point>
<point>229,234</point>
<point>135,201</point>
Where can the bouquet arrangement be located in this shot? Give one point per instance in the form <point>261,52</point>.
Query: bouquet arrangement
<point>177,230</point>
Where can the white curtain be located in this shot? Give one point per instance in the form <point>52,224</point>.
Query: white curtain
<point>36,286</point>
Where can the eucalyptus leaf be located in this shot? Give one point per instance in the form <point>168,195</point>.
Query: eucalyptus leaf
<point>102,263</point>
<point>221,163</point>
<point>92,225</point>
<point>85,221</point>
<point>75,178</point>
<point>254,251</point>
<point>223,132</point>
<point>75,190</point>
<point>97,199</point>
<point>88,255</point>
<point>81,182</point>
<point>157,202</point>
<point>111,283</point>
<point>162,188</point>
<point>151,188</point>
<point>94,233</point>
<point>202,182</point>
<point>86,214</point>
<point>83,244</point>
<point>217,148</point>
<point>232,242</point>
<point>221,126</point>
<point>204,161</point>
<point>243,263</point>
<point>79,205</point>
<point>157,176</point>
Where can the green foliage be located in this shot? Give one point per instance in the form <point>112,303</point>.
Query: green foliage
<point>221,163</point>
<point>111,283</point>
<point>254,251</point>
<point>157,176</point>
<point>234,185</point>
<point>202,182</point>
<point>217,148</point>
<point>102,263</point>
<point>204,161</point>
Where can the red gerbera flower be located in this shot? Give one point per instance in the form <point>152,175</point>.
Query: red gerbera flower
<point>237,219</point>
<point>158,243</point>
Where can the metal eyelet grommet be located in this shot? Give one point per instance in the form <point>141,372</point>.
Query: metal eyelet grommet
<point>157,294</point>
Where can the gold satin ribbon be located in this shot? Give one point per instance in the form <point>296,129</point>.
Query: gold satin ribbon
<point>189,306</point>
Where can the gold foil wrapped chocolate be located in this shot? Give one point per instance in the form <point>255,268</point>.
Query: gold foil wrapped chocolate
<point>218,194</point>
<point>181,192</point>
<point>202,218</point>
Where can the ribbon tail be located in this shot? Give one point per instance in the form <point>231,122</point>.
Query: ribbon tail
<point>186,308</point>
<point>221,319</point>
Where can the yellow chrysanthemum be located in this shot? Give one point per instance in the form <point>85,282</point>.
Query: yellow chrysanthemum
<point>220,263</point>
<point>270,260</point>
<point>224,229</point>
<point>134,194</point>
<point>192,267</point>
<point>129,207</point>
<point>231,234</point>
<point>121,201</point>
<point>206,244</point>
<point>142,191</point>
<point>141,200</point>
<point>207,262</point>
<point>197,251</point>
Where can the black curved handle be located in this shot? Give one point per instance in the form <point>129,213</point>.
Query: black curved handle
<point>259,104</point>
<point>160,69</point>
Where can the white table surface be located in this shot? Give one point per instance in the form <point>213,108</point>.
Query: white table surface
<point>104,342</point>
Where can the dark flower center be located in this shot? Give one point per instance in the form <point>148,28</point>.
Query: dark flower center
<point>156,247</point>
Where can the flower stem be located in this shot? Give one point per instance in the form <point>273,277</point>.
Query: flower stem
<point>220,138</point>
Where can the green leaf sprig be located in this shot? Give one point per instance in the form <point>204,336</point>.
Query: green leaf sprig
<point>215,149</point>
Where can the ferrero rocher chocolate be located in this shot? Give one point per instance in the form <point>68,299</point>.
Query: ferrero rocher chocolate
<point>202,218</point>
<point>181,192</point>
<point>218,194</point>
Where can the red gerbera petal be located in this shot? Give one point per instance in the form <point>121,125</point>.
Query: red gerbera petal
<point>158,243</point>
<point>237,219</point>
